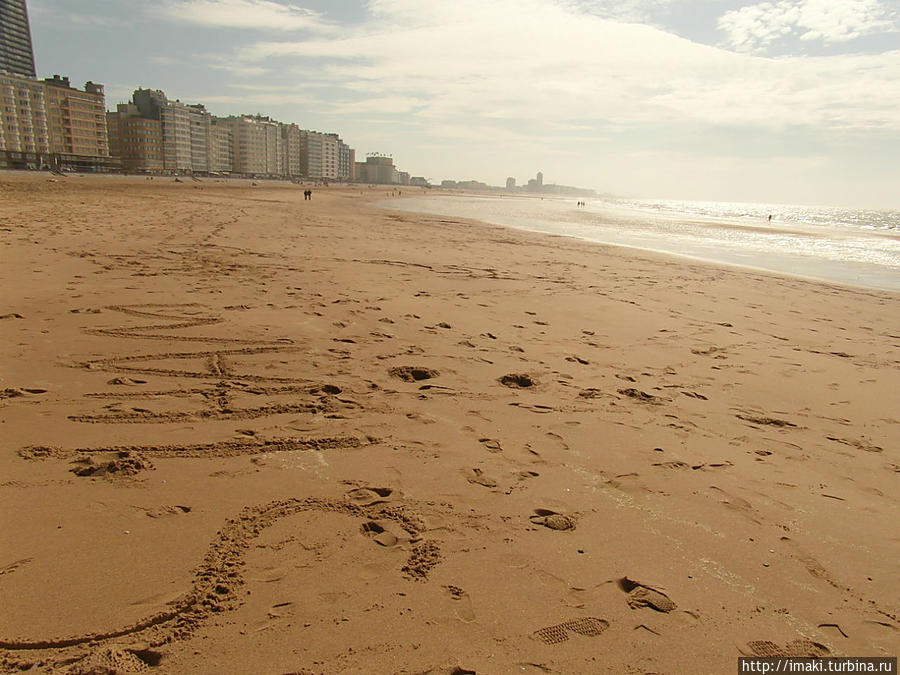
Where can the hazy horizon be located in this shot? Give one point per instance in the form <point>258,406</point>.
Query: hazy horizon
<point>781,101</point>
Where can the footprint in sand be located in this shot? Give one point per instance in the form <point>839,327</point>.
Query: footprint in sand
<point>119,464</point>
<point>675,464</point>
<point>119,659</point>
<point>640,595</point>
<point>491,444</point>
<point>13,566</point>
<point>553,520</point>
<point>795,649</point>
<point>518,380</point>
<point>765,420</point>
<point>694,394</point>
<point>589,627</point>
<point>641,396</point>
<point>367,496</point>
<point>478,477</point>
<point>168,510</point>
<point>463,603</point>
<point>128,381</point>
<point>16,392</point>
<point>413,373</point>
<point>385,533</point>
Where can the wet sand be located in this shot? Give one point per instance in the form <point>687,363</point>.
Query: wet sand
<point>243,432</point>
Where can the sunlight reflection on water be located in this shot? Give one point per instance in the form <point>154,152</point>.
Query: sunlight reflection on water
<point>855,247</point>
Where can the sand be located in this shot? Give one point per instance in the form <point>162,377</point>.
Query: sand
<point>247,433</point>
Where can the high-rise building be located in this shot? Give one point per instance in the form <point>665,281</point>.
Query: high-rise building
<point>16,52</point>
<point>257,145</point>
<point>325,156</point>
<point>76,120</point>
<point>221,150</point>
<point>175,120</point>
<point>200,122</point>
<point>292,141</point>
<point>510,183</point>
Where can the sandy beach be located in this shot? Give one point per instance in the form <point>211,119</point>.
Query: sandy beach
<point>247,433</point>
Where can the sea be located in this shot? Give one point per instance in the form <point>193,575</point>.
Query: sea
<point>857,247</point>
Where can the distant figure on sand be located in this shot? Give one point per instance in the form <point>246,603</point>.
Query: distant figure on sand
<point>307,194</point>
<point>770,217</point>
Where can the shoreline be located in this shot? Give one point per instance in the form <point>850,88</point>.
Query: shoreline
<point>883,276</point>
<point>245,431</point>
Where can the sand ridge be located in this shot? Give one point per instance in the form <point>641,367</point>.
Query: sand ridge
<point>248,433</point>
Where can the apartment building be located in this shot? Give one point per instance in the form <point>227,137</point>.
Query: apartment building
<point>221,151</point>
<point>324,156</point>
<point>77,124</point>
<point>175,122</point>
<point>24,136</point>
<point>187,139</point>
<point>49,123</point>
<point>257,145</point>
<point>200,122</point>
<point>135,140</point>
<point>291,162</point>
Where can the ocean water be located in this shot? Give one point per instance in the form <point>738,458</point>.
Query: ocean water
<point>846,246</point>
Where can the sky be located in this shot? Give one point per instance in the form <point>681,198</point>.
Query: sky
<point>774,101</point>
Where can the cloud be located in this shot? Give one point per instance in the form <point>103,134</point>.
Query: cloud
<point>259,14</point>
<point>61,13</point>
<point>536,64</point>
<point>630,11</point>
<point>754,27</point>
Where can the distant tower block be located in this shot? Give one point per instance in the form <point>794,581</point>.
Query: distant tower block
<point>510,183</point>
<point>16,52</point>
<point>540,179</point>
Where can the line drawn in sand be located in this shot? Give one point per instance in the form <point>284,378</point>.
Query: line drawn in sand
<point>229,380</point>
<point>217,579</point>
